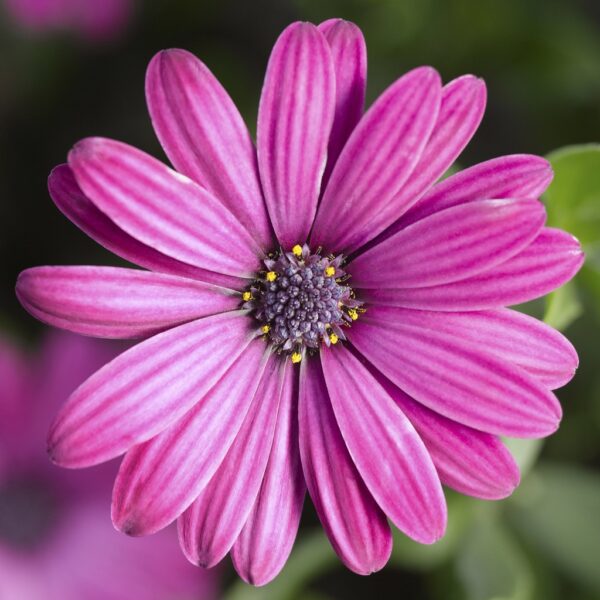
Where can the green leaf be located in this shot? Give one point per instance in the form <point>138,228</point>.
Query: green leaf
<point>557,509</point>
<point>573,204</point>
<point>409,554</point>
<point>563,307</point>
<point>573,199</point>
<point>525,452</point>
<point>311,557</point>
<point>491,565</point>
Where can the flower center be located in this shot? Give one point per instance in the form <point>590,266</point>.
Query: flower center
<point>302,300</point>
<point>27,512</point>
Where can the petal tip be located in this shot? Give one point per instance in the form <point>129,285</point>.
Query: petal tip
<point>56,172</point>
<point>82,149</point>
<point>129,526</point>
<point>428,74</point>
<point>206,560</point>
<point>56,455</point>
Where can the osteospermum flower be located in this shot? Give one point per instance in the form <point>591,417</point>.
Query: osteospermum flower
<point>320,312</point>
<point>90,19</point>
<point>56,538</point>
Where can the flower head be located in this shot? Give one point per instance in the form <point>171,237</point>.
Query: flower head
<point>56,539</point>
<point>320,312</point>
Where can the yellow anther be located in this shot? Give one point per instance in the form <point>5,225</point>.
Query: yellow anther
<point>297,250</point>
<point>330,271</point>
<point>333,338</point>
<point>247,296</point>
<point>271,276</point>
<point>265,328</point>
<point>296,357</point>
<point>353,314</point>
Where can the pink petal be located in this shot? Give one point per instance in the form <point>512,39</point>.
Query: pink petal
<point>469,461</point>
<point>158,480</point>
<point>145,389</point>
<point>354,523</point>
<point>210,526</point>
<point>551,260</point>
<point>380,155</point>
<point>266,540</point>
<point>461,111</point>
<point>294,120</point>
<point>349,53</point>
<point>205,137</point>
<point>72,202</point>
<point>117,303</point>
<point>84,558</point>
<point>450,245</point>
<point>15,406</point>
<point>388,453</point>
<point>514,176</point>
<point>456,378</point>
<point>162,208</point>
<point>507,334</point>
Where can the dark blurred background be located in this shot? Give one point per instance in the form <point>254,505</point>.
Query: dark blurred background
<point>541,62</point>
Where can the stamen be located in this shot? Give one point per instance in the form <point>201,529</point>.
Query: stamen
<point>302,300</point>
<point>247,296</point>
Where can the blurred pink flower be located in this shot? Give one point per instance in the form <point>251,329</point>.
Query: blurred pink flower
<point>93,20</point>
<point>56,538</point>
<point>219,426</point>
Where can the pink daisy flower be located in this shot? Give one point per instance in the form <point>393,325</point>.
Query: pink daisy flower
<point>94,20</point>
<point>56,538</point>
<point>329,245</point>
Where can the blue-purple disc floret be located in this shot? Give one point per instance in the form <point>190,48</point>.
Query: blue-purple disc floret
<point>302,299</point>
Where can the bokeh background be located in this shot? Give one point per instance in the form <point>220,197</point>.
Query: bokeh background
<point>64,80</point>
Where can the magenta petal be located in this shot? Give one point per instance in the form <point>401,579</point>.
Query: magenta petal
<point>450,245</point>
<point>456,378</point>
<point>15,419</point>
<point>387,451</point>
<point>294,121</point>
<point>266,540</point>
<point>461,111</point>
<point>210,526</point>
<point>163,208</point>
<point>377,160</point>
<point>551,260</point>
<point>112,302</point>
<point>507,334</point>
<point>158,480</point>
<point>205,137</point>
<point>145,389</point>
<point>469,461</point>
<point>514,176</point>
<point>72,202</point>
<point>354,523</point>
<point>349,53</point>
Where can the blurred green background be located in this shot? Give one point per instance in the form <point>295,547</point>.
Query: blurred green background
<point>541,62</point>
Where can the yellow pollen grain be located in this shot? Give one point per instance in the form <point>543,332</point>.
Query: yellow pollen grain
<point>271,276</point>
<point>333,338</point>
<point>247,296</point>
<point>296,357</point>
<point>353,314</point>
<point>330,271</point>
<point>297,250</point>
<point>265,329</point>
